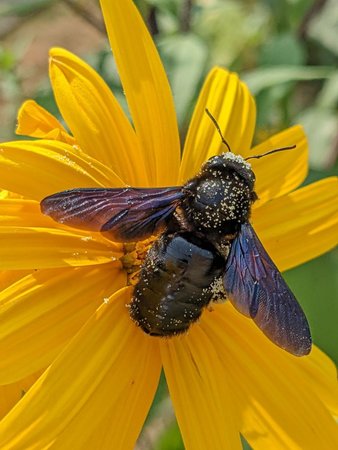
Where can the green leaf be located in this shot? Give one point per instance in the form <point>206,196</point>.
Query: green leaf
<point>185,58</point>
<point>328,96</point>
<point>324,28</point>
<point>7,59</point>
<point>171,439</point>
<point>283,49</point>
<point>232,30</point>
<point>22,7</point>
<point>320,126</point>
<point>263,78</point>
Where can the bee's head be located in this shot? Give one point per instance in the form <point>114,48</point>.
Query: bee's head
<point>229,163</point>
<point>220,197</point>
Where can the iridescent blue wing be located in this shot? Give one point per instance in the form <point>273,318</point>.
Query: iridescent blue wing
<point>256,288</point>
<point>124,214</point>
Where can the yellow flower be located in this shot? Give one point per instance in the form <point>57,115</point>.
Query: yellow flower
<point>67,342</point>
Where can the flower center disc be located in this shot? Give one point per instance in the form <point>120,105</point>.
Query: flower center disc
<point>134,256</point>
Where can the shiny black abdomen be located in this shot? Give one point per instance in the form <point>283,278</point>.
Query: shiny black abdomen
<point>175,283</point>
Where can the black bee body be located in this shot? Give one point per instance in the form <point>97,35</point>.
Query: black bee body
<point>205,244</point>
<point>175,283</point>
<point>177,278</point>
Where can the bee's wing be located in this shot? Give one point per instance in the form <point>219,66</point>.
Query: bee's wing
<point>257,289</point>
<point>125,214</point>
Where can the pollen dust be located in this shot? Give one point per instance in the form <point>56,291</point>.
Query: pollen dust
<point>134,255</point>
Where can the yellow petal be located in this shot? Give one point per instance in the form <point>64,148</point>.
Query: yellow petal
<point>95,117</point>
<point>204,405</point>
<point>45,248</point>
<point>25,216</point>
<point>7,195</point>
<point>280,403</point>
<point>321,370</point>
<point>280,173</point>
<point>96,394</point>
<point>299,226</point>
<point>3,194</point>
<point>231,104</point>
<point>22,212</point>
<point>10,394</point>
<point>8,277</point>
<point>35,121</point>
<point>36,169</point>
<point>147,89</point>
<point>40,313</point>
<point>18,212</point>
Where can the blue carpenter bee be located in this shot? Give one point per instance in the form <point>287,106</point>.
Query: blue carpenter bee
<point>206,249</point>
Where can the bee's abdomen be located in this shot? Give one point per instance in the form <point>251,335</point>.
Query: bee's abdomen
<point>174,284</point>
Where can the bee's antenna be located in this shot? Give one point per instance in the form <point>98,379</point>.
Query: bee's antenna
<point>218,129</point>
<point>272,151</point>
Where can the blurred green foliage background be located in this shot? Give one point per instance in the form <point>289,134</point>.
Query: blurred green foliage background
<point>286,51</point>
